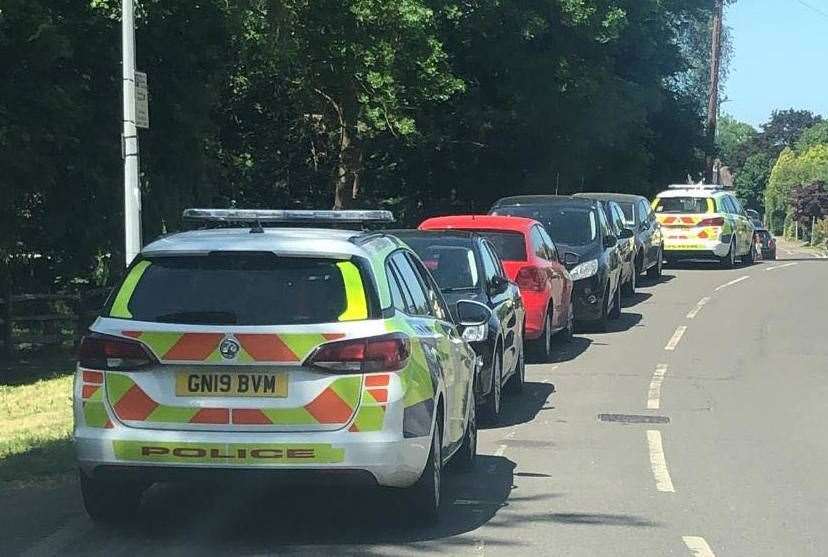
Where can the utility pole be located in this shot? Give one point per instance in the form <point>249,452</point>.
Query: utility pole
<point>132,189</point>
<point>713,93</point>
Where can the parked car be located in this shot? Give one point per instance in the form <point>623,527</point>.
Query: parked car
<point>581,231</point>
<point>626,244</point>
<point>767,243</point>
<point>303,353</point>
<point>466,267</point>
<point>533,261</point>
<point>704,221</point>
<point>755,218</point>
<point>640,218</point>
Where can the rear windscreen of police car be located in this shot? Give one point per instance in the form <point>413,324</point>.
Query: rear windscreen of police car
<point>242,289</point>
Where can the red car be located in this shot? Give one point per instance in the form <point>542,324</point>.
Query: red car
<point>530,259</point>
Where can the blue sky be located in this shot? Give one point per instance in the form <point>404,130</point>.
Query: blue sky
<point>780,59</point>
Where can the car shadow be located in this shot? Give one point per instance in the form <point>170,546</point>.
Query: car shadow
<point>253,518</point>
<point>625,322</point>
<point>637,298</point>
<point>522,407</point>
<point>566,351</point>
<point>645,281</point>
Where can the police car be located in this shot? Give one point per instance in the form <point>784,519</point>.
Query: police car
<point>704,221</point>
<point>299,352</point>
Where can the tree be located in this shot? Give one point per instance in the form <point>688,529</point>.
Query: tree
<point>752,178</point>
<point>809,202</point>
<point>730,137</point>
<point>791,170</point>
<point>785,127</point>
<point>815,135</point>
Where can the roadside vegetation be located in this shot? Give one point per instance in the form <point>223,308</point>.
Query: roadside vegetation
<point>35,429</point>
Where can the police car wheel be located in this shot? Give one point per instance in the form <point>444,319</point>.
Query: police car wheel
<point>110,502</point>
<point>467,455</point>
<point>425,495</point>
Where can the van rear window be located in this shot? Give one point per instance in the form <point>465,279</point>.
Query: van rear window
<point>682,205</point>
<point>231,288</point>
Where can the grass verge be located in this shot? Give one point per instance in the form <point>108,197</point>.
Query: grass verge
<point>36,429</point>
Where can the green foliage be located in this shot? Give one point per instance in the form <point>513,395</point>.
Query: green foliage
<point>751,179</point>
<point>421,106</point>
<point>790,170</point>
<point>813,136</point>
<point>731,135</point>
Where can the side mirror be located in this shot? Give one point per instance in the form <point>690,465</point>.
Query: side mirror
<point>626,233</point>
<point>474,320</point>
<point>570,259</point>
<point>471,314</point>
<point>610,241</point>
<point>645,225</point>
<point>498,284</point>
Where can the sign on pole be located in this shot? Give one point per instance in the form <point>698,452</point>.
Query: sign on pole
<point>141,101</point>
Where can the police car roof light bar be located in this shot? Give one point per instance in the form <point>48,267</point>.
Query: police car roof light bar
<point>711,187</point>
<point>257,217</point>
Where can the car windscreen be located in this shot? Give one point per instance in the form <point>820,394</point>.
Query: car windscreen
<point>565,224</point>
<point>510,246</point>
<point>451,260</point>
<point>241,289</point>
<point>629,212</point>
<point>682,205</point>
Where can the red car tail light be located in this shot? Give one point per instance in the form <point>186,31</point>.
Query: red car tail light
<point>715,221</point>
<point>530,278</point>
<point>364,355</point>
<point>99,351</point>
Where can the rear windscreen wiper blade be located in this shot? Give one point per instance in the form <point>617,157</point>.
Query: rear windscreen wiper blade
<point>199,317</point>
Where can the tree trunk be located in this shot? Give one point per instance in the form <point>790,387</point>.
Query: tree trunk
<point>346,176</point>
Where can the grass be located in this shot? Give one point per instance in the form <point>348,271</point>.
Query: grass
<point>36,429</point>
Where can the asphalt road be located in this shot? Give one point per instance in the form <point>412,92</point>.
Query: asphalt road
<point>729,376</point>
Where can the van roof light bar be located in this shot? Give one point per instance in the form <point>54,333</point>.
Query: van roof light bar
<point>710,187</point>
<point>257,217</point>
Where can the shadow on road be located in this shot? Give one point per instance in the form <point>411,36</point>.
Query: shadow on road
<point>250,518</point>
<point>645,282</point>
<point>566,351</point>
<point>523,407</point>
<point>637,298</point>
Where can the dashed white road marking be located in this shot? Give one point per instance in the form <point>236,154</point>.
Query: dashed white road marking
<point>676,338</point>
<point>654,395</point>
<point>658,462</point>
<point>698,546</point>
<point>695,311</point>
<point>731,283</point>
<point>781,266</point>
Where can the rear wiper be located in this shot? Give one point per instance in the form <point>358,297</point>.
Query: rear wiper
<point>199,317</point>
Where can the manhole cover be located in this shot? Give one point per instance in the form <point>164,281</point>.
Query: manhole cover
<point>633,419</point>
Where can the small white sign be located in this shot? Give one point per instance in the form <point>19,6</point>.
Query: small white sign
<point>141,101</point>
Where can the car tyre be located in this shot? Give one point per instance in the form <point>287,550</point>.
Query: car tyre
<point>425,496</point>
<point>615,312</point>
<point>494,402</point>
<point>568,332</point>
<point>729,260</point>
<point>516,381</point>
<point>750,257</point>
<point>654,272</point>
<point>466,456</point>
<point>542,347</point>
<point>629,286</point>
<point>602,323</point>
<point>110,502</point>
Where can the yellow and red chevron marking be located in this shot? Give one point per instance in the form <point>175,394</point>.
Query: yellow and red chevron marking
<point>334,405</point>
<point>94,410</point>
<point>255,347</point>
<point>371,414</point>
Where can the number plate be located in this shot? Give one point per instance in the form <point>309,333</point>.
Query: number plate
<point>255,384</point>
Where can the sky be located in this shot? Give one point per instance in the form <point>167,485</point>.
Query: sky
<point>780,58</point>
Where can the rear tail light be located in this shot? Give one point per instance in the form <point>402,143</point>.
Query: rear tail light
<point>364,355</point>
<point>715,221</point>
<point>99,351</point>
<point>530,278</point>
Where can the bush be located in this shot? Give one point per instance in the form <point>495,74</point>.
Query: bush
<point>820,236</point>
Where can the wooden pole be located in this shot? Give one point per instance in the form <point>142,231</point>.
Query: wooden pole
<point>713,92</point>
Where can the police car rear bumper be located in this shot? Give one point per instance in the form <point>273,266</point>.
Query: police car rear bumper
<point>698,249</point>
<point>384,458</point>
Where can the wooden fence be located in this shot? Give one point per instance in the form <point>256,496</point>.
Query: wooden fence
<point>38,320</point>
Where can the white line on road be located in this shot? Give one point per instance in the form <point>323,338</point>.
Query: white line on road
<point>695,311</point>
<point>654,396</point>
<point>676,338</point>
<point>731,283</point>
<point>658,462</point>
<point>781,266</point>
<point>698,546</point>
